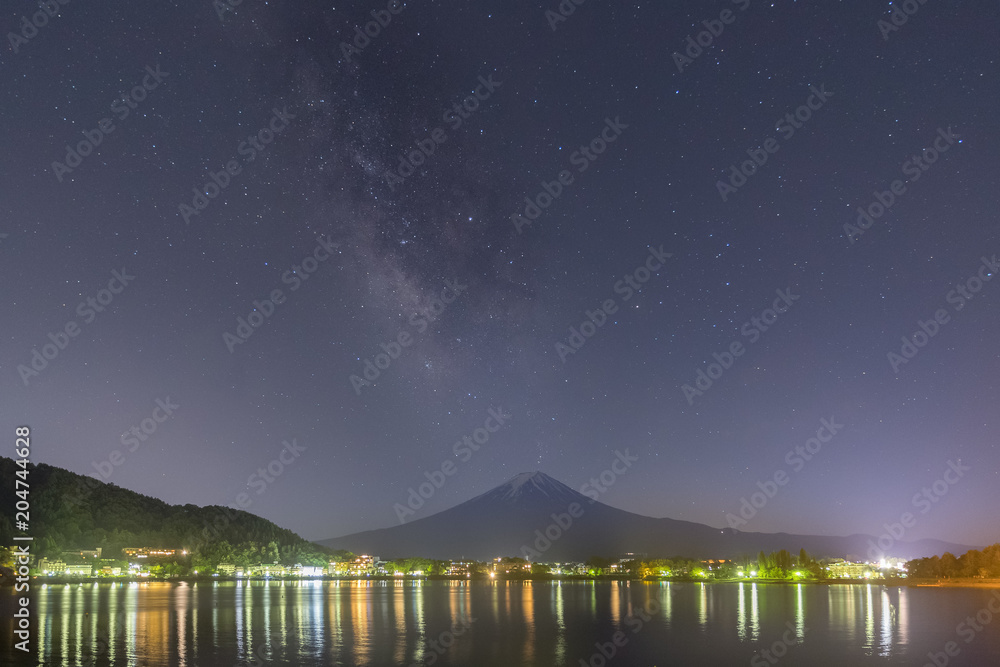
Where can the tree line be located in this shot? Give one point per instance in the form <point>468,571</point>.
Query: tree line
<point>973,564</point>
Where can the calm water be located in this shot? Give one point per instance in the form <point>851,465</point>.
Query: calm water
<point>389,623</point>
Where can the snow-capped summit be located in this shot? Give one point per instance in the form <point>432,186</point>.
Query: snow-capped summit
<point>529,486</point>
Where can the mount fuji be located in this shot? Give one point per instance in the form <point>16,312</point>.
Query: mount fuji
<point>535,516</point>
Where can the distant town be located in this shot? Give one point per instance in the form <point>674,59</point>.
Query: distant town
<point>159,563</point>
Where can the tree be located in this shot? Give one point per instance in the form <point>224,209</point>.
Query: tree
<point>631,567</point>
<point>410,565</point>
<point>783,563</point>
<point>949,566</point>
<point>763,564</point>
<point>924,568</point>
<point>598,565</point>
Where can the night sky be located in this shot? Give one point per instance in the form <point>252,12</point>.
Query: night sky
<point>641,139</point>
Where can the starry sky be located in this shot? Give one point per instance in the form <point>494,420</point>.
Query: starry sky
<point>635,128</point>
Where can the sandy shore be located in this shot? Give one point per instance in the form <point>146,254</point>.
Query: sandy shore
<point>955,583</point>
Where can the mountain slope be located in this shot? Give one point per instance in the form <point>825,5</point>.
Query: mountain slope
<point>71,511</point>
<point>516,519</point>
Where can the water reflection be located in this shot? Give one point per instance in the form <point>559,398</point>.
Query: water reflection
<point>280,623</point>
<point>560,616</point>
<point>880,612</point>
<point>741,615</point>
<point>887,623</point>
<point>666,602</point>
<point>800,614</point>
<point>703,607</point>
<point>748,624</point>
<point>528,605</point>
<point>869,617</point>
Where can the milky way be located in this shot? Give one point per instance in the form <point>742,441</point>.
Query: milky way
<point>536,160</point>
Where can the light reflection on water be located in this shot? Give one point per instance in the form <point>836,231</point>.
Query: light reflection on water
<point>277,623</point>
<point>800,613</point>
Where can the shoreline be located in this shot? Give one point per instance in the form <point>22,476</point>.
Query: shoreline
<point>910,583</point>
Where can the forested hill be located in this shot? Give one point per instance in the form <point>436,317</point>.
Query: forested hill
<point>70,511</point>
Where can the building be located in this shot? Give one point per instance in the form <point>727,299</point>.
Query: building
<point>79,570</point>
<point>227,569</point>
<point>47,566</point>
<point>567,568</point>
<point>137,570</point>
<point>897,566</point>
<point>111,571</point>
<point>299,570</point>
<point>841,569</point>
<point>83,553</point>
<point>717,567</point>
<point>362,566</point>
<point>712,564</point>
<point>509,566</point>
<point>272,570</point>
<point>459,569</point>
<point>151,552</point>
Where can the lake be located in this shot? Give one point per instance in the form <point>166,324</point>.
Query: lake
<point>304,623</point>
